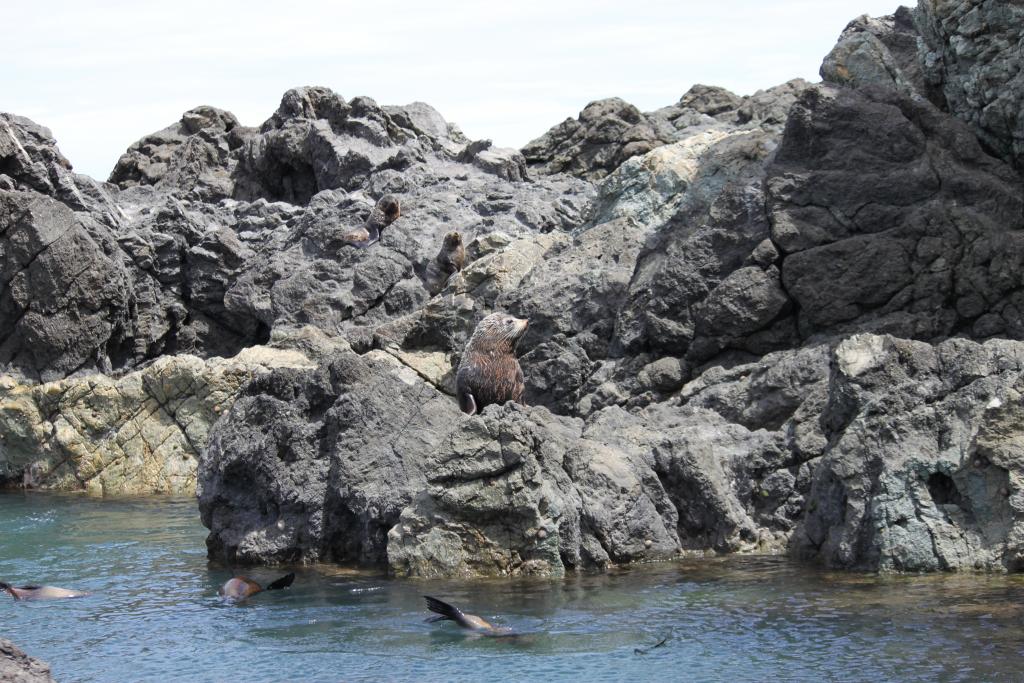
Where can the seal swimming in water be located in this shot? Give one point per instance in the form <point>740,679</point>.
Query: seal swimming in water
<point>40,592</point>
<point>449,260</point>
<point>384,214</point>
<point>489,371</point>
<point>470,622</point>
<point>241,587</point>
<point>647,650</point>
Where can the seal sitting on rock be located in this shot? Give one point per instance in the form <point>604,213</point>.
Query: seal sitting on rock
<point>449,260</point>
<point>489,371</point>
<point>384,214</point>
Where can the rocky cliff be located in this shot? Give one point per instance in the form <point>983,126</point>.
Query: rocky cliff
<point>783,322</point>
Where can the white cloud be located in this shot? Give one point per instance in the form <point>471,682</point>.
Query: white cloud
<point>101,76</point>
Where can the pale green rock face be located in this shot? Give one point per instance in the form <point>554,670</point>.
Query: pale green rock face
<point>136,434</point>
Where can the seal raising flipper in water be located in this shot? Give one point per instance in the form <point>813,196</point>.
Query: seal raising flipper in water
<point>40,592</point>
<point>489,371</point>
<point>470,622</point>
<point>384,214</point>
<point>647,650</point>
<point>241,587</point>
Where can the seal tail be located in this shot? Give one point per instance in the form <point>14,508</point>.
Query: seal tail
<point>283,582</point>
<point>443,608</point>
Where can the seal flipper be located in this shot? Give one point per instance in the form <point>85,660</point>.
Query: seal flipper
<point>467,403</point>
<point>283,582</point>
<point>445,610</point>
<point>647,651</point>
<point>420,268</point>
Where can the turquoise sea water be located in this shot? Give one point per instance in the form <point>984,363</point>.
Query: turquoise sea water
<point>155,615</point>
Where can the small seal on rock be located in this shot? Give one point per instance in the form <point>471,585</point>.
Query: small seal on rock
<point>241,587</point>
<point>384,214</point>
<point>489,371</point>
<point>40,592</point>
<point>448,261</point>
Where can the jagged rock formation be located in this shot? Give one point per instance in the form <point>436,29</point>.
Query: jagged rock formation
<point>18,667</point>
<point>608,132</point>
<point>965,57</point>
<point>784,321</point>
<point>193,156</point>
<point>922,471</point>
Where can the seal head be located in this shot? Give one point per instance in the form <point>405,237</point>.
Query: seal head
<point>241,587</point>
<point>489,371</point>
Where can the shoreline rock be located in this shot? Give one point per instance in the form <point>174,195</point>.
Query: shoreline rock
<point>786,322</point>
<point>137,433</point>
<point>18,667</point>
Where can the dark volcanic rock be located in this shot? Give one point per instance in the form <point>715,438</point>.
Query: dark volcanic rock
<point>698,287</point>
<point>973,51</point>
<point>193,156</point>
<point>18,667</point>
<point>318,465</point>
<point>890,217</point>
<point>608,132</point>
<point>311,466</point>
<point>963,56</point>
<point>879,51</point>
<point>64,293</point>
<point>112,279</point>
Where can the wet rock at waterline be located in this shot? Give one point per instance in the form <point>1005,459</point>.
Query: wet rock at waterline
<point>18,667</point>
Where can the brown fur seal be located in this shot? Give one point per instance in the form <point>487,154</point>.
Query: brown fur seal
<point>489,371</point>
<point>384,214</point>
<point>241,587</point>
<point>470,622</point>
<point>40,592</point>
<point>448,261</point>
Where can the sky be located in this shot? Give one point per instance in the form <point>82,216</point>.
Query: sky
<point>101,75</point>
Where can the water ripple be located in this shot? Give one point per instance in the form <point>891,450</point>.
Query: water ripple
<point>155,614</point>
